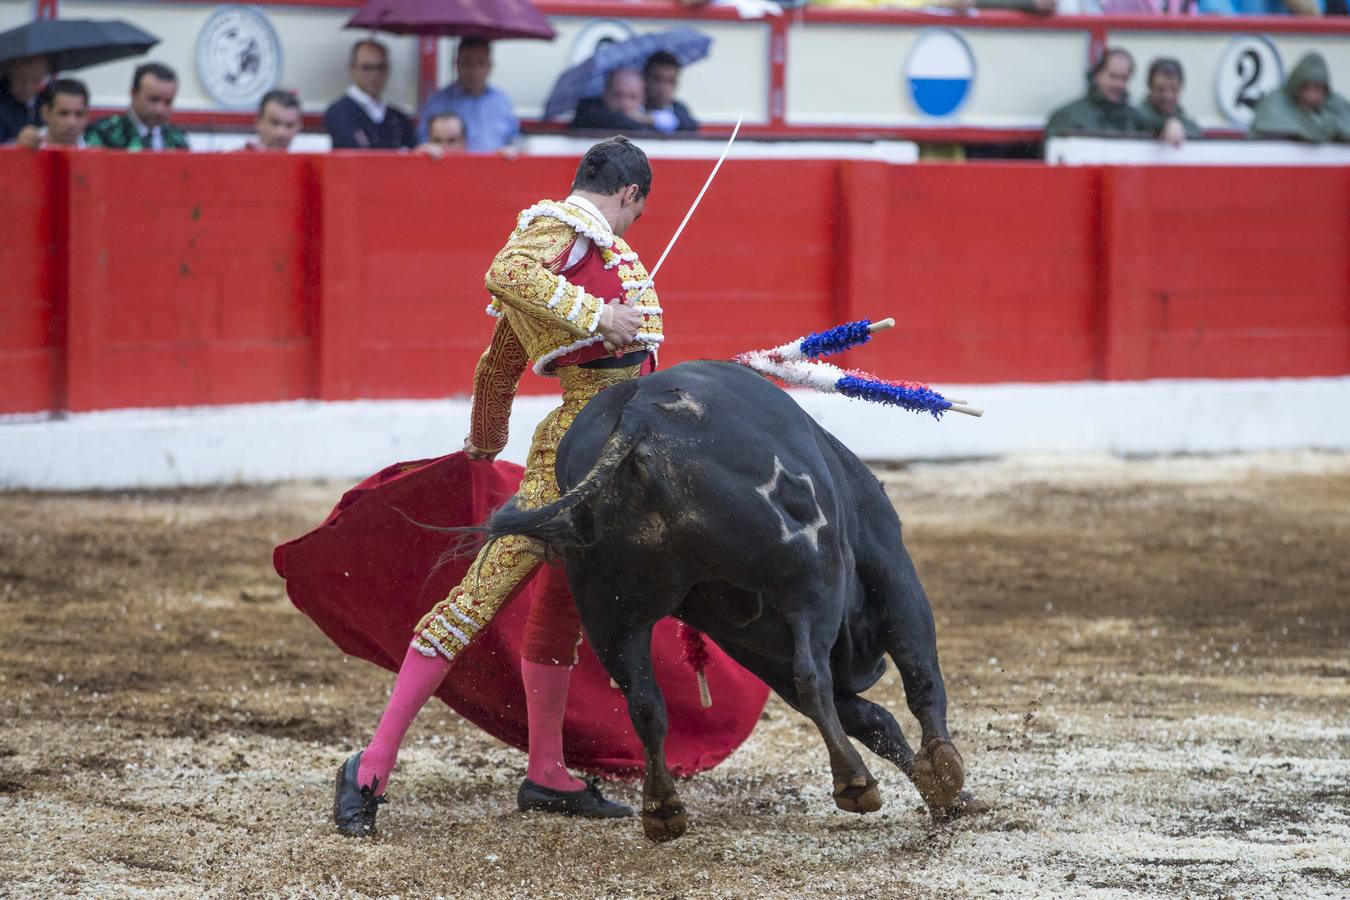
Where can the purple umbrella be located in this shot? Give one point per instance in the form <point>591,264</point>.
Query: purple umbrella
<point>492,20</point>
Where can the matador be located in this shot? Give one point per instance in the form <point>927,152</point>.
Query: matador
<point>571,299</point>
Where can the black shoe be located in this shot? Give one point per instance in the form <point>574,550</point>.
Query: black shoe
<point>354,807</point>
<point>588,801</point>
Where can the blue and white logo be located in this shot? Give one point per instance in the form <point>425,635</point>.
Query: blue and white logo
<point>940,70</point>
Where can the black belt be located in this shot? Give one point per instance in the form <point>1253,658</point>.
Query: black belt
<point>635,358</point>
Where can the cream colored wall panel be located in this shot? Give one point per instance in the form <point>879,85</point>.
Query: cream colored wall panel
<point>315,49</point>
<point>14,13</point>
<point>734,78</point>
<point>1022,76</point>
<point>846,74</point>
<point>841,74</point>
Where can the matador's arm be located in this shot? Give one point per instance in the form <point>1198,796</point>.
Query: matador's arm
<point>521,278</point>
<point>494,387</point>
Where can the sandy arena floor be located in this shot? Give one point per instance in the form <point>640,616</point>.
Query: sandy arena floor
<point>1147,666</point>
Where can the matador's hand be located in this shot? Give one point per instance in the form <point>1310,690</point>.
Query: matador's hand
<point>619,323</point>
<point>474,453</point>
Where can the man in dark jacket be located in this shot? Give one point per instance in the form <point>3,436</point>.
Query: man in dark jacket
<point>1163,103</point>
<point>1106,108</point>
<point>1304,109</point>
<point>146,125</point>
<point>19,89</point>
<point>362,120</point>
<point>618,110</point>
<point>661,76</point>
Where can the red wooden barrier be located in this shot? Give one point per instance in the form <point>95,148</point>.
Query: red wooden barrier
<point>990,271</point>
<point>187,280</point>
<point>30,305</point>
<point>1227,273</point>
<point>133,280</point>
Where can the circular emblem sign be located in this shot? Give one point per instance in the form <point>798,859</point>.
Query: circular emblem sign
<point>238,56</point>
<point>1249,69</point>
<point>940,72</point>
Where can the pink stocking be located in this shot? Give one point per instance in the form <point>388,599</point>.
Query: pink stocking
<point>545,702</point>
<point>418,678</point>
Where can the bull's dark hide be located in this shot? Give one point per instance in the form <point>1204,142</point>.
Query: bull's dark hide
<point>705,492</point>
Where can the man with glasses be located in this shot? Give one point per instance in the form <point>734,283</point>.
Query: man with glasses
<point>361,120</point>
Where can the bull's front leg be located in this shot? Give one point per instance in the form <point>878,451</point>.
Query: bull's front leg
<point>627,655</point>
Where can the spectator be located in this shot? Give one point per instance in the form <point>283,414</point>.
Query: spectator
<point>619,109</point>
<point>1304,109</point>
<point>64,109</point>
<point>1105,109</point>
<point>279,121</point>
<point>146,125</point>
<point>1162,106</point>
<point>19,89</point>
<point>362,120</point>
<point>1261,7</point>
<point>445,134</point>
<point>489,121</point>
<point>661,76</point>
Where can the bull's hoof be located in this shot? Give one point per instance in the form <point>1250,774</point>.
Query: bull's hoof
<point>939,774</point>
<point>967,804</point>
<point>858,798</point>
<point>664,821</point>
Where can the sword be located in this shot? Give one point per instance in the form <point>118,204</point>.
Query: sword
<point>678,231</point>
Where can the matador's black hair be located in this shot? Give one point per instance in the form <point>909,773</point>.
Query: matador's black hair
<point>612,165</point>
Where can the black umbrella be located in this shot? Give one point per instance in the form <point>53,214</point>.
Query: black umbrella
<point>75,43</point>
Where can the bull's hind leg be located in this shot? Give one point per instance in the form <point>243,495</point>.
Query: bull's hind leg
<point>625,650</point>
<point>939,772</point>
<point>855,790</point>
<point>877,729</point>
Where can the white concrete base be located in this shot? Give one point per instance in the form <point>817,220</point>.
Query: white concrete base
<point>279,441</point>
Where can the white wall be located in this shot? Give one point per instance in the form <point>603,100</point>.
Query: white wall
<point>275,441</point>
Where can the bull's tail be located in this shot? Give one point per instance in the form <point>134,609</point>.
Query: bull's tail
<point>559,524</point>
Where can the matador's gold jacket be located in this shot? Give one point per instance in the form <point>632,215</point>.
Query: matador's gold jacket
<point>548,286</point>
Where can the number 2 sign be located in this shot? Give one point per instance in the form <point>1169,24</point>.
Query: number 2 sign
<point>1249,69</point>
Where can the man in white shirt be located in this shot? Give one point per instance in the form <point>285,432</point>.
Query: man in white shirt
<point>361,120</point>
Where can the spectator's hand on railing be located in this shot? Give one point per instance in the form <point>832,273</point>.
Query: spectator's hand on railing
<point>1173,132</point>
<point>433,150</point>
<point>30,137</point>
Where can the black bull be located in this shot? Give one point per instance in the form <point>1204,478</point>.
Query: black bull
<point>706,493</point>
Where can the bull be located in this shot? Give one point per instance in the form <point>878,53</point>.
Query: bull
<point>706,493</point>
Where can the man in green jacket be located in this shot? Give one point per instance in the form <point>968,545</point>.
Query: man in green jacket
<point>1106,110</point>
<point>146,125</point>
<point>1304,109</point>
<point>1162,106</point>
